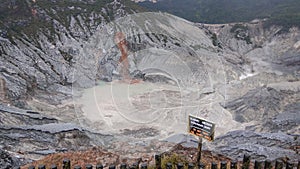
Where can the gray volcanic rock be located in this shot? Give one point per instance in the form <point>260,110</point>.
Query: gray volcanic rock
<point>31,139</point>
<point>287,121</point>
<point>184,140</point>
<point>153,49</point>
<point>30,135</point>
<point>40,61</point>
<point>12,116</point>
<point>257,104</point>
<point>258,145</point>
<point>7,161</point>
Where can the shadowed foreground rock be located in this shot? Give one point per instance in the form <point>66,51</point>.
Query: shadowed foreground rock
<point>8,161</point>
<point>259,145</point>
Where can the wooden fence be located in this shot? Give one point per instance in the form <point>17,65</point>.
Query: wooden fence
<point>245,164</point>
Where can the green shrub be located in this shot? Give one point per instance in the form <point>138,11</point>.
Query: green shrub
<point>174,159</point>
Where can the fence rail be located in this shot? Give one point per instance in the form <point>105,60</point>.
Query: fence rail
<point>245,164</point>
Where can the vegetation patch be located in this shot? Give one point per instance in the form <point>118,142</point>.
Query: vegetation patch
<point>284,13</point>
<point>215,41</point>
<point>174,159</point>
<point>20,17</point>
<point>241,32</point>
<point>66,56</point>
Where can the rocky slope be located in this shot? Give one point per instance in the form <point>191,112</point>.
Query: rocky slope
<point>40,41</point>
<point>241,76</point>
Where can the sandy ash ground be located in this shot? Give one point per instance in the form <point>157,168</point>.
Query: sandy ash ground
<point>118,108</point>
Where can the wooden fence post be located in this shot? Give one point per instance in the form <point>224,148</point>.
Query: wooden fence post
<point>88,166</point>
<point>233,164</point>
<point>199,150</point>
<point>99,166</point>
<point>169,166</point>
<point>289,165</point>
<point>278,164</point>
<point>66,164</point>
<point>135,165</point>
<point>214,165</point>
<point>246,162</point>
<point>144,166</point>
<point>258,165</point>
<point>191,166</point>
<point>268,164</point>
<point>123,166</point>
<point>41,166</point>
<point>53,167</point>
<point>112,167</point>
<point>179,166</point>
<point>201,166</point>
<point>223,164</point>
<point>158,161</point>
<point>77,167</point>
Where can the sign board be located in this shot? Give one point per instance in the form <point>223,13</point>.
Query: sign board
<point>201,128</point>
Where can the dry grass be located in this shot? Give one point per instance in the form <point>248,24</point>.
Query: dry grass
<point>97,155</point>
<point>93,156</point>
<point>186,155</point>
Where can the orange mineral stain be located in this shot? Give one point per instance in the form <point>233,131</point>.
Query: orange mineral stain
<point>121,42</point>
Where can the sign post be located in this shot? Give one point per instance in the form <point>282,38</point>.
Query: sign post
<point>203,129</point>
<point>199,150</point>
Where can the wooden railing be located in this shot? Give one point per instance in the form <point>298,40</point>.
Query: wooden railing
<point>245,164</point>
